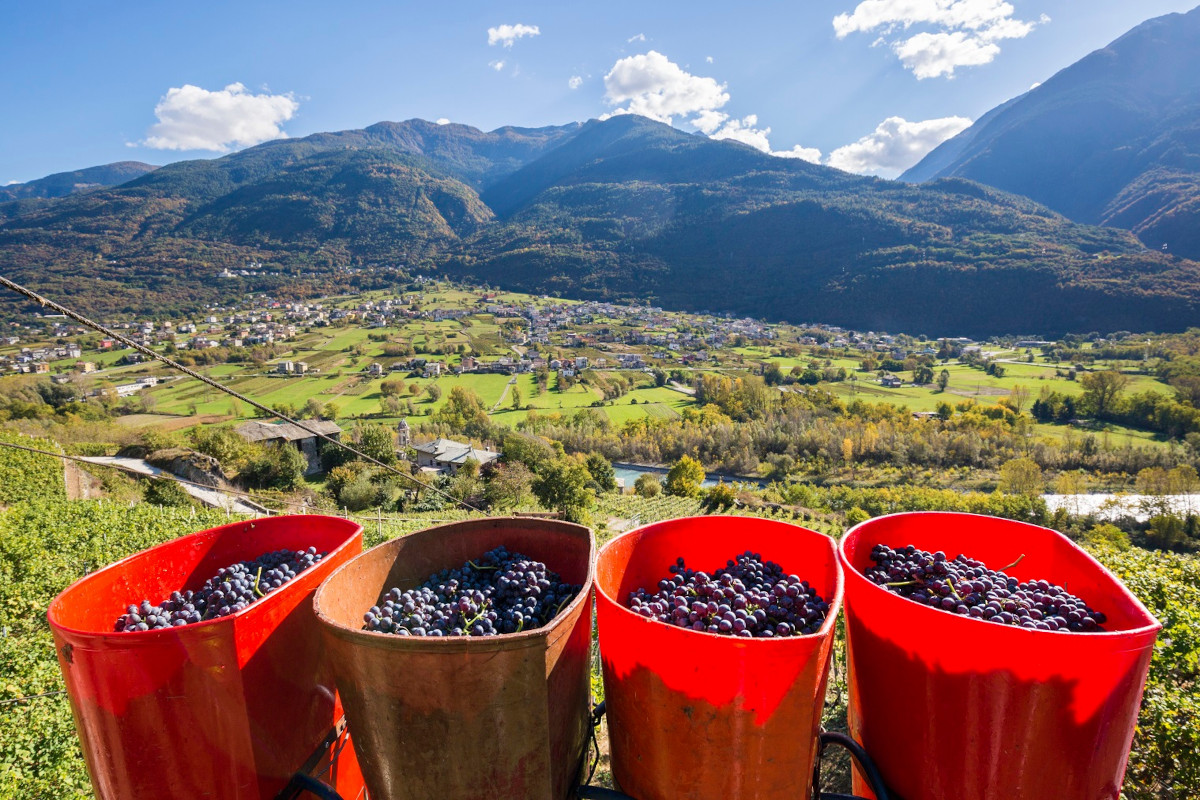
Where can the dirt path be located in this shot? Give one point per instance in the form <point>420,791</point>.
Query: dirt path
<point>511,382</point>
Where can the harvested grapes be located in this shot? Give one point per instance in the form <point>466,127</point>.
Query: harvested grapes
<point>748,597</point>
<point>229,591</point>
<point>965,586</point>
<point>502,592</point>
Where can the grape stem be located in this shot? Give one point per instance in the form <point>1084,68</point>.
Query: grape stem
<point>476,566</point>
<point>482,611</point>
<point>1020,558</point>
<point>257,578</point>
<point>906,583</point>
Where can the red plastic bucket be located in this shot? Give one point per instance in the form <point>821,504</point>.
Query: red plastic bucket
<point>228,708</point>
<point>464,717</point>
<point>951,707</point>
<point>696,715</point>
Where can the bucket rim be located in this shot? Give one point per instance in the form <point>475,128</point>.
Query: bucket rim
<point>451,644</point>
<point>266,601</point>
<point>1150,629</point>
<point>831,617</point>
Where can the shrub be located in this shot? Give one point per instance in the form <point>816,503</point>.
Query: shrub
<point>166,492</point>
<point>647,485</point>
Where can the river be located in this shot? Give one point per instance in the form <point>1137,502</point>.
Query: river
<point>1103,506</point>
<point>1116,506</point>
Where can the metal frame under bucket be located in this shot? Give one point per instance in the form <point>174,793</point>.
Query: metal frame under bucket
<point>305,784</point>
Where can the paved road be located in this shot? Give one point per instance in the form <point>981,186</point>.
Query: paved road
<point>213,498</point>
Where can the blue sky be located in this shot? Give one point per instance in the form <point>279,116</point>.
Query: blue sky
<point>867,86</point>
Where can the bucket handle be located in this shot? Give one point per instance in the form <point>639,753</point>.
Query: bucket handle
<point>860,757</point>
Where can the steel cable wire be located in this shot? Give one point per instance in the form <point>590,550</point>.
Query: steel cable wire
<point>61,309</point>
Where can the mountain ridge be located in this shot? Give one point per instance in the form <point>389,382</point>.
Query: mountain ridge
<point>625,208</point>
<point>1113,139</point>
<point>61,184</point>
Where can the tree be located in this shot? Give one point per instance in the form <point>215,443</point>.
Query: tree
<point>1102,391</point>
<point>433,392</point>
<point>313,408</point>
<point>562,486</point>
<point>1021,476</point>
<point>378,442</point>
<point>532,451</point>
<point>1183,479</point>
<point>392,388</point>
<point>604,478</point>
<point>772,374</point>
<point>943,380</point>
<point>463,411</point>
<point>359,494</point>
<point>338,478</point>
<point>466,482</point>
<point>1187,388</point>
<point>720,497</point>
<point>510,486</point>
<point>685,477</point>
<point>275,467</point>
<point>223,444</point>
<point>1019,396</point>
<point>647,485</point>
<point>923,374</point>
<point>516,398</point>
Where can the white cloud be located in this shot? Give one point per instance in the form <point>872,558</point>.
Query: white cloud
<point>929,55</point>
<point>191,118</point>
<point>574,82</point>
<point>443,121</point>
<point>507,34</point>
<point>809,154</point>
<point>640,37</point>
<point>12,183</point>
<point>964,33</point>
<point>1034,86</point>
<point>746,131</point>
<point>895,145</point>
<point>653,86</point>
<point>708,60</point>
<point>496,65</point>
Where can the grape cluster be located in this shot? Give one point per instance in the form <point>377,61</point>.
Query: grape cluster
<point>229,591</point>
<point>965,586</point>
<point>749,597</point>
<point>502,592</point>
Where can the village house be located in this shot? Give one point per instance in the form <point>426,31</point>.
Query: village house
<point>448,456</point>
<point>285,433</point>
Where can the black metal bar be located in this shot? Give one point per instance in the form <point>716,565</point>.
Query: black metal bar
<point>599,793</point>
<point>860,756</point>
<point>302,783</point>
